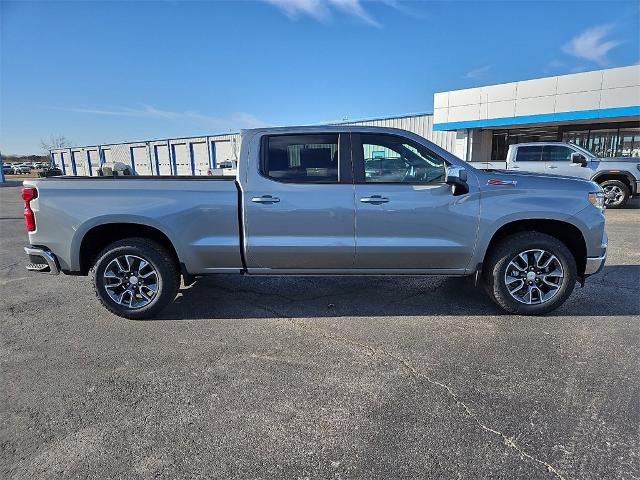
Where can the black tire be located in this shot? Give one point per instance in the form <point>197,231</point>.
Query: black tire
<point>159,258</point>
<point>617,186</point>
<point>497,262</point>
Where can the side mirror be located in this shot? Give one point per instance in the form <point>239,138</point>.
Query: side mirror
<point>579,159</point>
<point>457,178</point>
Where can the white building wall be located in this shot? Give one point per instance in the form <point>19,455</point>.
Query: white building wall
<point>601,89</point>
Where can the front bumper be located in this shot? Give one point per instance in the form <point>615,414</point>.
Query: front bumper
<point>594,265</point>
<point>42,260</point>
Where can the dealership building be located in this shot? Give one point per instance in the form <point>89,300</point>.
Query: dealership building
<point>599,110</point>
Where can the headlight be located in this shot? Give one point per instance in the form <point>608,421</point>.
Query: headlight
<point>597,199</point>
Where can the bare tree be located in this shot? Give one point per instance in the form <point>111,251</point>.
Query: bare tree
<point>59,141</point>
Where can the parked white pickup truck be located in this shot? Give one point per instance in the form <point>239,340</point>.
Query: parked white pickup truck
<point>618,177</point>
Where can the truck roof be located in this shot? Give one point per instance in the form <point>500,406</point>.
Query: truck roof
<point>527,144</point>
<point>324,129</point>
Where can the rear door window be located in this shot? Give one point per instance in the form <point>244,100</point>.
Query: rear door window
<point>529,154</point>
<point>302,158</point>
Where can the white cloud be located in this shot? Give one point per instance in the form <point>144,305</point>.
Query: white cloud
<point>592,44</point>
<point>321,10</point>
<point>355,8</point>
<point>293,9</point>
<point>477,72</point>
<point>234,121</point>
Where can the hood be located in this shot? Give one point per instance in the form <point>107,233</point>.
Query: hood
<point>528,180</point>
<point>619,159</point>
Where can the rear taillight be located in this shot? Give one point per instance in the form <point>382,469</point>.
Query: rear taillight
<point>28,194</point>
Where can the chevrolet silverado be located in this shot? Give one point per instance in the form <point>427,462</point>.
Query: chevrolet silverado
<point>333,200</point>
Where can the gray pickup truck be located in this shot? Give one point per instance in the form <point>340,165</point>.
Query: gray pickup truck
<point>619,177</point>
<point>321,201</point>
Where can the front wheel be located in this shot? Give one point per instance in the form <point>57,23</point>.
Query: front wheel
<point>616,193</point>
<point>135,278</point>
<point>530,273</point>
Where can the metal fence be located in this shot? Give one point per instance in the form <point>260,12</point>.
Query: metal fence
<point>178,156</point>
<point>199,155</point>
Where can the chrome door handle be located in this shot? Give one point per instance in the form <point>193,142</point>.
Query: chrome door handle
<point>268,199</point>
<point>374,199</point>
<point>513,166</point>
<point>552,166</point>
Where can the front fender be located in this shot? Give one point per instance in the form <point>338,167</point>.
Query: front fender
<point>501,206</point>
<point>489,229</point>
<point>633,182</point>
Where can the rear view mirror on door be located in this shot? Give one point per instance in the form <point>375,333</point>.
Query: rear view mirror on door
<point>457,178</point>
<point>579,159</point>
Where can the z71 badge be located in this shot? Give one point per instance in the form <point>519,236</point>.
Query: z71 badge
<point>502,183</point>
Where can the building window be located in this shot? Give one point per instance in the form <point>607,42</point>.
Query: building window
<point>628,143</point>
<point>503,138</point>
<point>499,144</point>
<point>603,142</point>
<point>580,138</point>
<point>606,140</point>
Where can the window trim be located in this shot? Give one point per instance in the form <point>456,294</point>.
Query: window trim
<point>345,174</point>
<point>357,155</point>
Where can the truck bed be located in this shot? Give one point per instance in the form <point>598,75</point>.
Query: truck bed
<point>144,177</point>
<point>200,215</point>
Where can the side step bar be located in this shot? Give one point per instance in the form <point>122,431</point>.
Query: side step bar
<point>41,260</point>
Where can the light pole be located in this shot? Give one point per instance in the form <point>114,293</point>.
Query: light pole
<point>1,170</point>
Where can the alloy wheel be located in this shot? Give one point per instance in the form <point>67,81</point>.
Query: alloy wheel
<point>613,195</point>
<point>534,277</point>
<point>131,281</point>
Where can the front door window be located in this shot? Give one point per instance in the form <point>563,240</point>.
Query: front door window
<point>391,159</point>
<point>557,153</point>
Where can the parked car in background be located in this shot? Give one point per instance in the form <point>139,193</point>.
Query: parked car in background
<point>305,202</point>
<point>618,177</point>
<point>21,168</point>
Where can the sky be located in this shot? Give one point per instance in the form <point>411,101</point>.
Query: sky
<point>104,72</point>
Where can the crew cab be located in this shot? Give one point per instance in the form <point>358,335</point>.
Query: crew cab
<point>619,177</point>
<point>333,200</point>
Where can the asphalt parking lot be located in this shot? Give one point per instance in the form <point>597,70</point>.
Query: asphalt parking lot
<point>319,378</point>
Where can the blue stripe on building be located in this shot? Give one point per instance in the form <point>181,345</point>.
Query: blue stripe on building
<point>540,118</point>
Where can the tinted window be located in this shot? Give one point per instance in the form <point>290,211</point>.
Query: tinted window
<point>302,158</point>
<point>393,159</point>
<point>529,154</point>
<point>557,153</point>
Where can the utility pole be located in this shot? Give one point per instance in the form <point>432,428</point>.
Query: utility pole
<point>1,170</point>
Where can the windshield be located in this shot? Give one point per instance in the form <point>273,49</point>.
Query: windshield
<point>588,153</point>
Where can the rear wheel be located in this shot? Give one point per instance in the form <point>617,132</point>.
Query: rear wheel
<point>135,278</point>
<point>616,193</point>
<point>530,273</point>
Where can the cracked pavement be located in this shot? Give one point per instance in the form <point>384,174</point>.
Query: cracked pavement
<point>347,377</point>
